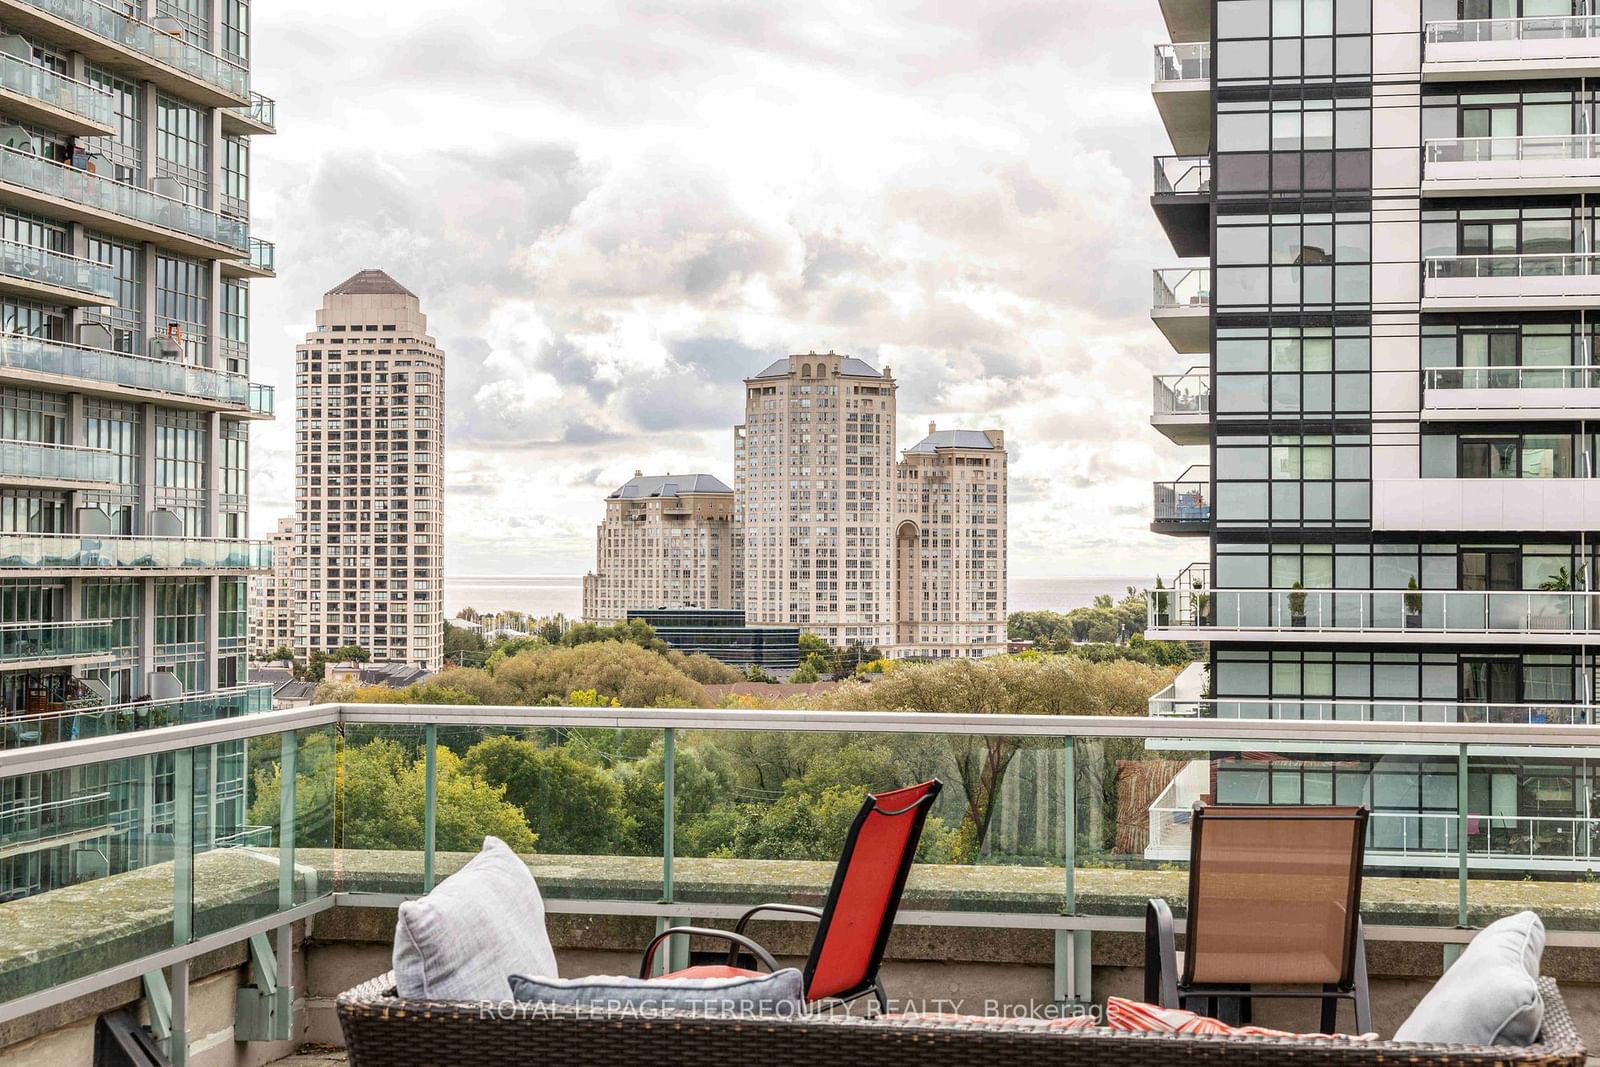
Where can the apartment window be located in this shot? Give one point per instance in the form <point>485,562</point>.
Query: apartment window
<point>1293,480</point>
<point>235,324</point>
<point>115,425</point>
<point>236,176</point>
<point>33,319</point>
<point>180,632</point>
<point>194,17</point>
<point>236,31</point>
<point>32,511</point>
<point>1502,115</point>
<point>126,319</point>
<point>1509,346</point>
<point>1290,372</point>
<point>1544,454</point>
<point>1291,259</point>
<point>235,458</point>
<point>122,152</point>
<point>182,450</point>
<point>1293,146</point>
<point>32,230</point>
<point>31,415</point>
<point>1508,230</point>
<point>183,289</point>
<point>1259,41</point>
<point>181,136</point>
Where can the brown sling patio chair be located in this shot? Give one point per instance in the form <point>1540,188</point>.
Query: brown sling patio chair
<point>1274,899</point>
<point>854,923</point>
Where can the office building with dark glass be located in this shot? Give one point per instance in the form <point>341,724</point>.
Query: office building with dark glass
<point>1383,335</point>
<point>724,636</point>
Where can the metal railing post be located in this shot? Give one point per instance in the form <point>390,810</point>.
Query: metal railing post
<point>430,801</point>
<point>287,752</point>
<point>1462,814</point>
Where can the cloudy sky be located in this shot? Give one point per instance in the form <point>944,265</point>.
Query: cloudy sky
<point>614,211</point>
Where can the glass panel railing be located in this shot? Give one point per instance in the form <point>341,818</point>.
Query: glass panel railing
<point>262,109</point>
<point>1183,176</point>
<point>19,352</point>
<point>1183,394</point>
<point>1369,709</point>
<point>1183,62</point>
<point>81,552</point>
<point>1531,265</point>
<point>22,642</point>
<point>1513,149</point>
<point>1186,500</point>
<point>21,729</point>
<point>33,264</point>
<point>1403,610</point>
<point>1512,378</point>
<point>1182,287</point>
<point>261,398</point>
<point>48,87</point>
<point>130,201</point>
<point>263,254</point>
<point>63,463</point>
<point>172,50</point>
<point>1539,28</point>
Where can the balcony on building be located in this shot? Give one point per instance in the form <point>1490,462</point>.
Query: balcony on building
<point>1168,704</point>
<point>159,214</point>
<point>1511,166</point>
<point>260,116</point>
<point>1545,46</point>
<point>61,553</point>
<point>1182,203</point>
<point>1183,507</point>
<point>1182,91</point>
<point>113,36</point>
<point>1495,394</point>
<point>40,645</point>
<point>42,97</point>
<point>261,262</point>
<point>1501,282</point>
<point>1187,20</point>
<point>53,466</point>
<point>1352,616</point>
<point>1182,406</point>
<point>40,361</point>
<point>1181,307</point>
<point>41,273</point>
<point>78,720</point>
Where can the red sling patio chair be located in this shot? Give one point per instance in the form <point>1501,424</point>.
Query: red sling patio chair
<point>853,924</point>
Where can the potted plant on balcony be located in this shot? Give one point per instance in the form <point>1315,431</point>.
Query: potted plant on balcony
<point>1159,604</point>
<point>1297,606</point>
<point>1413,600</point>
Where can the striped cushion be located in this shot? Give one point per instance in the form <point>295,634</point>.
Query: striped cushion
<point>1134,1017</point>
<point>1016,1022</point>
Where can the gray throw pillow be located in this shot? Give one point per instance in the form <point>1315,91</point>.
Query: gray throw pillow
<point>481,924</point>
<point>778,993</point>
<point>1490,995</point>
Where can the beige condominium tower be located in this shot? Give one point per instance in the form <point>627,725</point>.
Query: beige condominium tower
<point>272,596</point>
<point>666,542</point>
<point>369,459</point>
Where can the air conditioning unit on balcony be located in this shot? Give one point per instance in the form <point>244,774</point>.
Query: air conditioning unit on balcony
<point>169,187</point>
<point>94,335</point>
<point>14,44</point>
<point>95,522</point>
<point>18,139</point>
<point>164,685</point>
<point>164,348</point>
<point>160,522</point>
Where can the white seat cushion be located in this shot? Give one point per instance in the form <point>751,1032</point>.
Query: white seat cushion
<point>478,927</point>
<point>1490,995</point>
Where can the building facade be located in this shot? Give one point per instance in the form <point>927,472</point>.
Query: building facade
<point>950,545</point>
<point>724,636</point>
<point>1388,331</point>
<point>126,263</point>
<point>368,566</point>
<point>666,542</point>
<point>835,537</point>
<point>271,602</point>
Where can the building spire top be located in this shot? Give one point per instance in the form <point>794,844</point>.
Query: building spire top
<point>370,282</point>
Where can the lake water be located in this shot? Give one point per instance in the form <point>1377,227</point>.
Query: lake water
<point>563,594</point>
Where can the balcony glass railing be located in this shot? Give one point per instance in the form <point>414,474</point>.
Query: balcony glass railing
<point>33,264</point>
<point>48,87</point>
<point>27,642</point>
<point>262,109</point>
<point>1182,287</point>
<point>119,198</point>
<point>1529,265</point>
<point>1537,28</point>
<point>1185,501</point>
<point>1183,394</point>
<point>23,729</point>
<point>1183,62</point>
<point>1512,378</point>
<point>43,356</point>
<point>1564,148</point>
<point>30,552</point>
<point>60,463</point>
<point>263,255</point>
<point>1394,611</point>
<point>272,852</point>
<point>261,398</point>
<point>1393,709</point>
<point>121,27</point>
<point>1183,176</point>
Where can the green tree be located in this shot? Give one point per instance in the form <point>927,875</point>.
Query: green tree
<point>349,654</point>
<point>383,803</point>
<point>574,807</point>
<point>810,642</point>
<point>282,653</point>
<point>805,673</point>
<point>622,671</point>
<point>458,639</point>
<point>705,670</point>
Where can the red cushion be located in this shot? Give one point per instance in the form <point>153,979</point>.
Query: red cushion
<point>713,970</point>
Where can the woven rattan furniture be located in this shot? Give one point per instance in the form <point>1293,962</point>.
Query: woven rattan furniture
<point>383,1031</point>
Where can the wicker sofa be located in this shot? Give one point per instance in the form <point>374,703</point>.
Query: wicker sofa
<point>381,1030</point>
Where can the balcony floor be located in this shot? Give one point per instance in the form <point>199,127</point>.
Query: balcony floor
<point>315,1056</point>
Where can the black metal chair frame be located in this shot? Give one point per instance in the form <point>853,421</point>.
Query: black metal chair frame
<point>1163,986</point>
<point>737,938</point>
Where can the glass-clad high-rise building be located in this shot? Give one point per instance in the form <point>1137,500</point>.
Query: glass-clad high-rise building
<point>1384,338</point>
<point>126,261</point>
